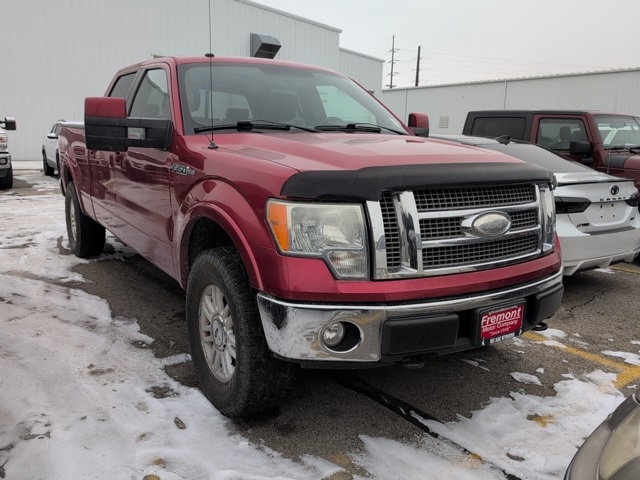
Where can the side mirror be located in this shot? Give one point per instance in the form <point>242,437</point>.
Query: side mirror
<point>52,136</point>
<point>107,127</point>
<point>9,123</point>
<point>579,147</point>
<point>419,124</point>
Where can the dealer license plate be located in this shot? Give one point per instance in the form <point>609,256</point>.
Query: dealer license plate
<point>501,323</point>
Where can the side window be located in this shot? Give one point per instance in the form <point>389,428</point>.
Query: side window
<point>498,126</point>
<point>152,98</point>
<point>341,106</point>
<point>122,86</point>
<point>557,133</point>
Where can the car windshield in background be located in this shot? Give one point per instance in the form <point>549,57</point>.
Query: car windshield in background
<point>539,156</point>
<point>225,94</point>
<point>619,131</point>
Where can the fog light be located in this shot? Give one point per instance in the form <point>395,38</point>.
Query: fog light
<point>333,334</point>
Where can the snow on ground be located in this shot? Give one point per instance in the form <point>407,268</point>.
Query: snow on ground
<point>79,401</point>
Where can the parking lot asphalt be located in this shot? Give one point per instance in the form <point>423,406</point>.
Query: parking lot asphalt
<point>327,411</point>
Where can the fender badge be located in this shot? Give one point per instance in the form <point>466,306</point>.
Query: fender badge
<point>182,169</point>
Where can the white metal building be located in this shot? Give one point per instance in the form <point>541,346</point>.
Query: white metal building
<point>447,105</point>
<point>58,53</point>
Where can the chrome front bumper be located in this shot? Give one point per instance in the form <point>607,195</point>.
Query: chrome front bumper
<point>294,330</point>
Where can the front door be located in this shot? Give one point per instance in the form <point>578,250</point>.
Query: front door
<point>143,179</point>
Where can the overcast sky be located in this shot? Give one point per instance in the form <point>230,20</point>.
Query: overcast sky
<point>466,40</point>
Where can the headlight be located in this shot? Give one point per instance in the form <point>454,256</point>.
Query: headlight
<point>548,217</point>
<point>623,446</point>
<point>334,232</point>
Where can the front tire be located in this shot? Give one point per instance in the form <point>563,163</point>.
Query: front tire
<point>6,182</point>
<point>236,370</point>
<point>48,171</point>
<point>86,237</point>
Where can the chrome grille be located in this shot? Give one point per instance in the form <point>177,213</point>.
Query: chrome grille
<point>441,227</point>
<point>524,219</point>
<point>428,232</point>
<point>478,253</point>
<point>473,197</point>
<point>391,231</point>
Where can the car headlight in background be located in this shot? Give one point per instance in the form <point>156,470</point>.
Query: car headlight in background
<point>334,232</point>
<point>623,448</point>
<point>4,140</point>
<point>548,217</point>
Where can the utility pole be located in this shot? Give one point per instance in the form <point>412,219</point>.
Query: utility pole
<point>393,60</point>
<point>418,68</point>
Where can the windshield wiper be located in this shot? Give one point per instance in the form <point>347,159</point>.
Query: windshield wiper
<point>357,127</point>
<point>632,148</point>
<point>249,125</point>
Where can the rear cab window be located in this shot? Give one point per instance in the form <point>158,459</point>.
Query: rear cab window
<point>498,126</point>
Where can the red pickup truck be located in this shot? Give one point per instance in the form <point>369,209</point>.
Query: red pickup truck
<point>608,142</point>
<point>309,226</point>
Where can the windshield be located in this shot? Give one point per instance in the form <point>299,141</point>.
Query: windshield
<point>224,94</point>
<point>618,131</point>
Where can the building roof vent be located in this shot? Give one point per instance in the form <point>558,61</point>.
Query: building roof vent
<point>264,46</point>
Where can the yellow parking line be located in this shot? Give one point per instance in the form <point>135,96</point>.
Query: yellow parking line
<point>625,269</point>
<point>626,373</point>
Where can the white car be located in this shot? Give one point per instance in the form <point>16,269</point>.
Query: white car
<point>50,156</point>
<point>597,215</point>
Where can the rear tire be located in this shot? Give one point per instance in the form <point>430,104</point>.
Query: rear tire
<point>48,171</point>
<point>6,182</point>
<point>86,237</point>
<point>236,370</point>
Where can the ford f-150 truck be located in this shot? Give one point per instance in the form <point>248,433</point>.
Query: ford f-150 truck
<point>309,226</point>
<point>608,142</point>
<point>6,169</point>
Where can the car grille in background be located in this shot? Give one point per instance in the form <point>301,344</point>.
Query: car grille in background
<point>445,245</point>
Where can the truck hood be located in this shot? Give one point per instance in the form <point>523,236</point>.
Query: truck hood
<point>633,162</point>
<point>343,151</point>
<point>622,159</point>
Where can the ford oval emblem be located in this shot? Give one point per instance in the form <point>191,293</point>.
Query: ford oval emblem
<point>615,189</point>
<point>491,224</point>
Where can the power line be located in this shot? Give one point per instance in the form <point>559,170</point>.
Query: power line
<point>393,61</point>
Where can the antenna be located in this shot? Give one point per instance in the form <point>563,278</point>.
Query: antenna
<point>210,56</point>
